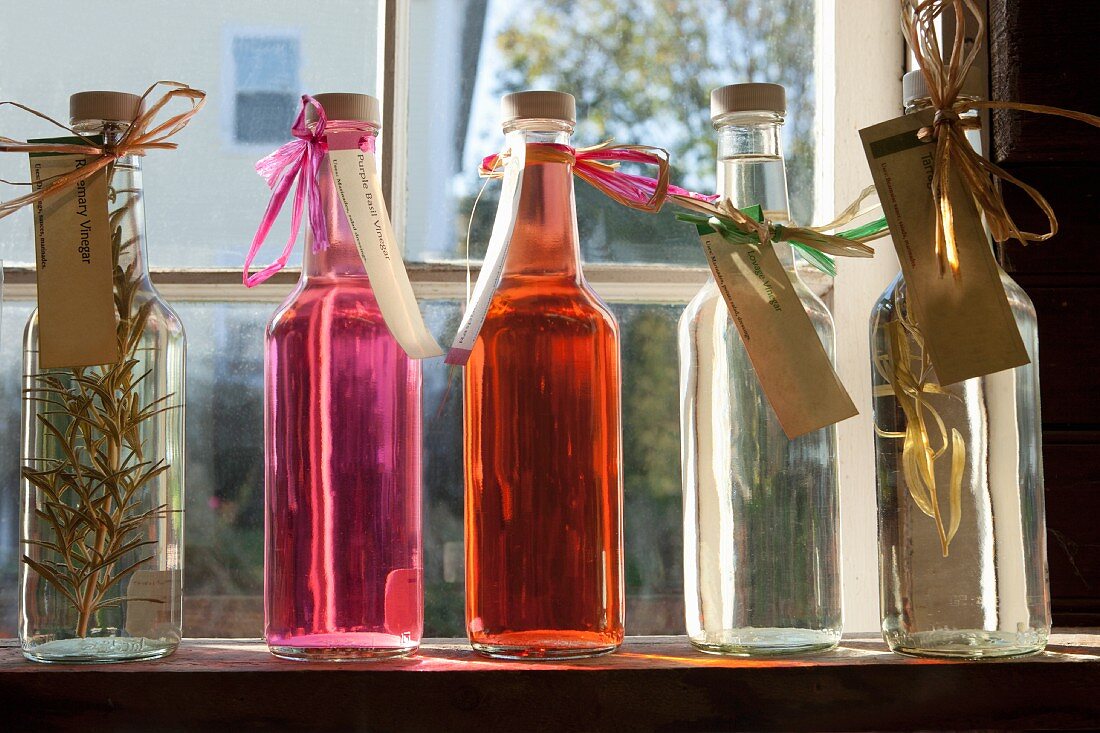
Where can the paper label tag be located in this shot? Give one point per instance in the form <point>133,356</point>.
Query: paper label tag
<point>148,604</point>
<point>966,321</point>
<point>354,175</point>
<point>76,305</point>
<point>792,365</point>
<point>487,280</point>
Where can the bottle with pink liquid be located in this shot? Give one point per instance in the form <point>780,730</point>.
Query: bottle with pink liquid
<point>342,450</point>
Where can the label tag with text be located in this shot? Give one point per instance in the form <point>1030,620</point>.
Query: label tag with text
<point>966,321</point>
<point>786,353</point>
<point>356,180</point>
<point>75,265</point>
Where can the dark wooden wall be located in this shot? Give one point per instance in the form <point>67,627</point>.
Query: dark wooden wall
<point>1040,53</point>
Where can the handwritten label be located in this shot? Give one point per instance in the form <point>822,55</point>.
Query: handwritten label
<point>76,308</point>
<point>790,361</point>
<point>966,321</point>
<point>354,175</point>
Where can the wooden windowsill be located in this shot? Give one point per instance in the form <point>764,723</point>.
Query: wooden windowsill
<point>651,683</point>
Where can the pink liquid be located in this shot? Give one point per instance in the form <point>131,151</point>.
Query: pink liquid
<point>343,544</point>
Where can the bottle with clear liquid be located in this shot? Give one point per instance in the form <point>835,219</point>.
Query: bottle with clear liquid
<point>544,562</point>
<point>102,576</point>
<point>342,564</point>
<point>761,514</point>
<point>963,568</point>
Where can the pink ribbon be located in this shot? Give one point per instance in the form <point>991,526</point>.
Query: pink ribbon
<point>300,159</point>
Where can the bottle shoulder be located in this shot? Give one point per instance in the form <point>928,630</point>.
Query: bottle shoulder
<point>710,297</point>
<point>161,316</point>
<point>895,293</point>
<point>548,302</point>
<point>349,304</point>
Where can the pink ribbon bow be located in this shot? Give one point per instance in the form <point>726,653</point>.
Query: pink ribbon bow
<point>298,160</point>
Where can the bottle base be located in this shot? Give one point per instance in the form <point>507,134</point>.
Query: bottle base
<point>339,654</point>
<point>766,642</point>
<point>967,643</point>
<point>346,647</point>
<point>99,650</point>
<point>544,645</point>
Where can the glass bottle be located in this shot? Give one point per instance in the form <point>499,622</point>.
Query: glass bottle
<point>106,584</point>
<point>761,516</point>
<point>342,564</point>
<point>542,428</point>
<point>978,590</point>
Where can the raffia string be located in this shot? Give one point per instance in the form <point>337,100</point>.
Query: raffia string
<point>599,166</point>
<point>143,134</point>
<point>977,175</point>
<point>722,215</point>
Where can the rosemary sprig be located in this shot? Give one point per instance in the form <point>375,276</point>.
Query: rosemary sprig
<point>913,388</point>
<point>91,492</point>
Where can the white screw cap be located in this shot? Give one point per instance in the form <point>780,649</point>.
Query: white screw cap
<point>347,106</point>
<point>914,87</point>
<point>750,97</point>
<point>538,105</point>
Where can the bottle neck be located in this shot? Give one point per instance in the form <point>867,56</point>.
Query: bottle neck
<point>125,200</point>
<point>544,242</point>
<point>751,170</point>
<point>973,136</point>
<point>341,258</point>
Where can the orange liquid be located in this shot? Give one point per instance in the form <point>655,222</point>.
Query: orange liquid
<point>543,447</point>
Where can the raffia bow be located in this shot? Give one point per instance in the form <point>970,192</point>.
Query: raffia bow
<point>142,135</point>
<point>599,166</point>
<point>978,175</point>
<point>739,227</point>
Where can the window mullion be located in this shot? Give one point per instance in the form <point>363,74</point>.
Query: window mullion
<point>850,101</point>
<point>393,85</point>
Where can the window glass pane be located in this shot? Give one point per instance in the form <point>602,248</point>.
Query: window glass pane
<point>261,117</point>
<point>224,522</point>
<point>641,71</point>
<point>203,201</point>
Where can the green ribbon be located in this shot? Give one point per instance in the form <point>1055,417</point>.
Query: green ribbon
<point>730,232</point>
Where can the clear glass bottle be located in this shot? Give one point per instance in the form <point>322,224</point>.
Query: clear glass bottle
<point>544,553</point>
<point>342,565</point>
<point>761,515</point>
<point>103,476</point>
<point>977,588</point>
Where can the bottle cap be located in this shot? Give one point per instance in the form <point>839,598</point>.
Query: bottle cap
<point>538,105</point>
<point>114,106</point>
<point>751,97</point>
<point>914,87</point>
<point>347,106</point>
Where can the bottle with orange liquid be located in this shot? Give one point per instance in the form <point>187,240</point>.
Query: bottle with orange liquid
<point>543,453</point>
